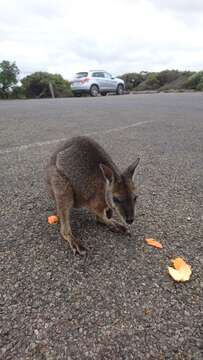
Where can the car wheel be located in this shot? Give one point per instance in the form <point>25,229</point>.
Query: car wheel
<point>103,93</point>
<point>94,90</point>
<point>120,89</point>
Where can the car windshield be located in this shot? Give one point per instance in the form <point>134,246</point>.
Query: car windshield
<point>81,75</point>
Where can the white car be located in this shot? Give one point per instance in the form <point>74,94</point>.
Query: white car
<point>96,82</point>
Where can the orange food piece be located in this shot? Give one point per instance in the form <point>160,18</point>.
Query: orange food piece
<point>180,271</point>
<point>154,243</point>
<point>178,263</point>
<point>53,219</point>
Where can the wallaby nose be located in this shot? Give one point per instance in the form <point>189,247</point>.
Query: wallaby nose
<point>129,220</point>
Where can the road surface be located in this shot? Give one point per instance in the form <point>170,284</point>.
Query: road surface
<point>119,304</point>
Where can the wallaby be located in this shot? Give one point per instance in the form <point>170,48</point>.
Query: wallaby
<point>81,174</point>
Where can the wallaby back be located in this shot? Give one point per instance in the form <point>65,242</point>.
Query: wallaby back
<point>79,160</point>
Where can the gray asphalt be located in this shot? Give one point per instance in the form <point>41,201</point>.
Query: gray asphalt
<point>119,304</point>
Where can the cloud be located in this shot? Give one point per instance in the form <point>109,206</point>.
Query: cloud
<point>65,36</point>
<point>187,11</point>
<point>178,6</point>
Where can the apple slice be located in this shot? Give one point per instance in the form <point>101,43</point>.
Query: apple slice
<point>180,271</point>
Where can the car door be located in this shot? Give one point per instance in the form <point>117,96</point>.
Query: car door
<point>110,82</point>
<point>99,79</point>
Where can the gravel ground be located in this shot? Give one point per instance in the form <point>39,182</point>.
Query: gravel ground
<point>119,304</point>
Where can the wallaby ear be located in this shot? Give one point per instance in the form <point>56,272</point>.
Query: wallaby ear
<point>107,173</point>
<point>129,172</point>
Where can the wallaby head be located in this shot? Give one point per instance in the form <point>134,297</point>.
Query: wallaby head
<point>120,192</point>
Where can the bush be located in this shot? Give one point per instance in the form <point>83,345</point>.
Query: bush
<point>8,78</point>
<point>152,81</point>
<point>132,80</point>
<point>195,81</point>
<point>17,93</point>
<point>199,87</point>
<point>167,76</point>
<point>37,85</point>
<point>164,80</point>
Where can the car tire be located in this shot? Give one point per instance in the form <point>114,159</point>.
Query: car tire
<point>103,93</point>
<point>94,90</point>
<point>120,89</point>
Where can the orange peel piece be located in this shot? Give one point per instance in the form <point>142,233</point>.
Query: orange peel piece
<point>53,219</point>
<point>181,271</point>
<point>154,243</point>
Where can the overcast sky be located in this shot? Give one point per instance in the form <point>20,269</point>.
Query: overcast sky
<point>66,36</point>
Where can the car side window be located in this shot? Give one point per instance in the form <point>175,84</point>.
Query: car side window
<point>98,74</point>
<point>108,76</point>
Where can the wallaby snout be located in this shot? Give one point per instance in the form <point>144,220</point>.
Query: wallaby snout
<point>130,220</point>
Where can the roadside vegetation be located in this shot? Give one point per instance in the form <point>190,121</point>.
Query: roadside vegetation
<point>44,85</point>
<point>167,80</point>
<point>37,85</point>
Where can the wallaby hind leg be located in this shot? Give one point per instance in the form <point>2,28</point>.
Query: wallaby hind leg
<point>64,198</point>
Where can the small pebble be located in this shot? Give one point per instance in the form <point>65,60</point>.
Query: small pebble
<point>32,345</point>
<point>3,350</point>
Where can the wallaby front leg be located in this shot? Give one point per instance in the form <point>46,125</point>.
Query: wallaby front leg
<point>112,224</point>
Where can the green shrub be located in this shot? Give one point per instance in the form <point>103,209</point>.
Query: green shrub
<point>199,87</point>
<point>195,81</point>
<point>132,80</point>
<point>168,76</point>
<point>37,85</point>
<point>17,93</point>
<point>8,78</point>
<point>152,81</point>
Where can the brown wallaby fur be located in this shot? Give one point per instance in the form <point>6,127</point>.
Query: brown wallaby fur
<point>81,174</point>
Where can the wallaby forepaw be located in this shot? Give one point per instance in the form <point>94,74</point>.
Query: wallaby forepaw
<point>117,227</point>
<point>75,244</point>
